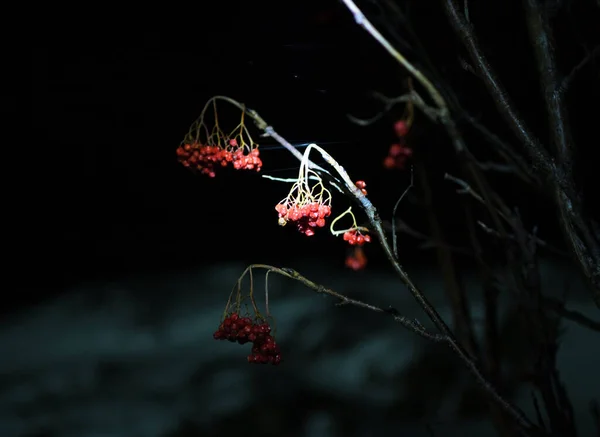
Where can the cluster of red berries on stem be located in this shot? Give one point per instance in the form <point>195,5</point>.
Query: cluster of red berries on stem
<point>307,217</point>
<point>204,158</point>
<point>398,153</point>
<point>243,330</point>
<point>397,156</point>
<point>361,185</point>
<point>355,238</point>
<point>356,259</point>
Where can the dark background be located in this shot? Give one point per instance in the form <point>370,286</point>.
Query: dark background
<point>113,97</point>
<point>112,100</point>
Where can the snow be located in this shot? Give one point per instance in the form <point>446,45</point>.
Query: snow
<point>137,358</point>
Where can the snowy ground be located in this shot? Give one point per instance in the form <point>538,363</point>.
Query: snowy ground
<point>137,359</point>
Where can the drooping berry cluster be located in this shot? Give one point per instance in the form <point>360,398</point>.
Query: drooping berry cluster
<point>355,238</point>
<point>399,153</point>
<point>397,156</point>
<point>204,158</point>
<point>361,185</point>
<point>307,216</point>
<point>243,330</point>
<point>356,259</point>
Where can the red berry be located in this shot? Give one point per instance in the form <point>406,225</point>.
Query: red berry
<point>401,128</point>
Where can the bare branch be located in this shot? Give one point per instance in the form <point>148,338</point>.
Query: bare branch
<point>362,21</point>
<point>412,325</point>
<point>568,80</point>
<point>535,150</point>
<point>443,113</point>
<point>541,39</point>
<point>581,240</point>
<point>394,239</point>
<point>526,425</point>
<point>497,167</point>
<point>427,241</point>
<point>538,241</point>
<point>465,188</point>
<point>559,308</point>
<point>506,151</point>
<point>390,102</point>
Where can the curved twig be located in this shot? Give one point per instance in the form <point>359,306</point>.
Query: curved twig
<point>412,325</point>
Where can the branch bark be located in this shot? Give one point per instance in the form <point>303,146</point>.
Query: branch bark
<point>556,170</point>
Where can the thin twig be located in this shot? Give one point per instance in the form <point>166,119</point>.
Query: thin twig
<point>568,80</point>
<point>412,325</point>
<point>538,241</point>
<point>394,237</point>
<point>575,316</point>
<point>502,148</point>
<point>389,102</point>
<point>497,167</point>
<point>293,180</point>
<point>269,131</point>
<point>362,21</point>
<point>466,189</point>
<point>427,241</point>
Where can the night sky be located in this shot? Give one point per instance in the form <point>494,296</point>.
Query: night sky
<point>112,98</point>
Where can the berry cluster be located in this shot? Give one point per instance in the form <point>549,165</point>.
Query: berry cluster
<point>243,330</point>
<point>356,259</point>
<point>361,185</point>
<point>204,158</point>
<point>355,238</point>
<point>400,152</point>
<point>397,156</point>
<point>306,217</point>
